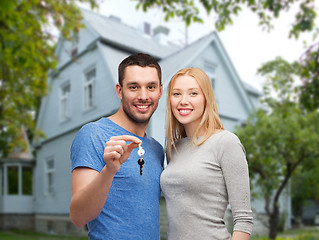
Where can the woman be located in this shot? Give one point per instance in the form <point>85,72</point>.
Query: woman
<point>207,167</point>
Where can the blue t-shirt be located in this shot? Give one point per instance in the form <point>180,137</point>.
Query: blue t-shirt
<point>131,210</point>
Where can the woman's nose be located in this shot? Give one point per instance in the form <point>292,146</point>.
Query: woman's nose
<point>184,99</point>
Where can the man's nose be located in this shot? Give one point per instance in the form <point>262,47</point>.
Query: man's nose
<point>143,94</point>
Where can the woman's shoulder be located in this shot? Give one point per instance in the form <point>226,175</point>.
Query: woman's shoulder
<point>224,137</point>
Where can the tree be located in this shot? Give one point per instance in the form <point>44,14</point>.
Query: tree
<point>266,10</point>
<point>26,56</point>
<point>281,141</point>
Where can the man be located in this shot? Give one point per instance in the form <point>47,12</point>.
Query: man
<point>109,194</point>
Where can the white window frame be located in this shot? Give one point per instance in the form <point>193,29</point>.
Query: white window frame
<point>211,71</point>
<point>65,110</point>
<point>49,173</point>
<point>74,45</point>
<point>89,95</point>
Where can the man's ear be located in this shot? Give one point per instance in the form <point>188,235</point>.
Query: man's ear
<point>118,89</point>
<point>161,90</point>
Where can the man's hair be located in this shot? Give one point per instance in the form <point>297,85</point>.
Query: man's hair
<point>138,59</point>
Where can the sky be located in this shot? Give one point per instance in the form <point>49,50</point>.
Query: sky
<point>247,45</point>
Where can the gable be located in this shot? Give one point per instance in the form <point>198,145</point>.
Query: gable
<point>86,36</point>
<point>74,75</point>
<point>129,39</point>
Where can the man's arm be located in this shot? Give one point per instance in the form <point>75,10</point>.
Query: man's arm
<point>90,188</point>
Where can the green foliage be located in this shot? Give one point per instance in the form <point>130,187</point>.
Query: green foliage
<point>309,74</point>
<point>26,56</point>
<point>306,236</point>
<point>277,142</point>
<point>266,10</point>
<point>282,142</point>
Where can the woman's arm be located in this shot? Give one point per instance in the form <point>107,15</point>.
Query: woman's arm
<point>237,235</point>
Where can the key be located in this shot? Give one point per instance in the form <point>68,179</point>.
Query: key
<point>141,162</point>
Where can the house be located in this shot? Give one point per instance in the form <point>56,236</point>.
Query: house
<point>82,89</point>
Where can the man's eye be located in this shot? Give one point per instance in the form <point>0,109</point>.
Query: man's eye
<point>133,87</point>
<point>151,87</point>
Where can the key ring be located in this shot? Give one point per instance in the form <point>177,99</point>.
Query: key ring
<point>140,151</point>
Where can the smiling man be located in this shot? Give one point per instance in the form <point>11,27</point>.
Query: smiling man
<point>109,192</point>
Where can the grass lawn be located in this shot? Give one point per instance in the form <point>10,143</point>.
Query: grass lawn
<point>297,234</point>
<point>314,231</point>
<point>26,235</point>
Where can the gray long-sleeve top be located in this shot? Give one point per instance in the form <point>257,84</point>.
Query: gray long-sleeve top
<point>199,182</point>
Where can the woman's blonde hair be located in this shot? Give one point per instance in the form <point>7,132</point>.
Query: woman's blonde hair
<point>210,118</point>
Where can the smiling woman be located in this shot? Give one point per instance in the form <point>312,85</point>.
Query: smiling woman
<point>207,167</point>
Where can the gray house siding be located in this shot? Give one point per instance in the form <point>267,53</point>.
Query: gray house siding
<point>51,209</point>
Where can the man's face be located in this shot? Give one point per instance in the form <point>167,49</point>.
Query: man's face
<point>140,93</point>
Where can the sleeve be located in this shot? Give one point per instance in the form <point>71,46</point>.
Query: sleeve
<point>235,170</point>
<point>87,148</point>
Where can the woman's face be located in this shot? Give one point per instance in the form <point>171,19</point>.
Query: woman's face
<point>187,103</point>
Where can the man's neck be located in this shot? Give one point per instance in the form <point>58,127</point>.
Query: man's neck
<point>121,119</point>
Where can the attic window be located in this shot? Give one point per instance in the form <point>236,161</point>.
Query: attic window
<point>65,103</point>
<point>89,83</point>
<point>75,43</point>
<point>211,71</point>
<point>74,53</point>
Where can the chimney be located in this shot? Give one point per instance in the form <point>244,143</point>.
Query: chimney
<point>115,18</point>
<point>145,28</point>
<point>160,34</point>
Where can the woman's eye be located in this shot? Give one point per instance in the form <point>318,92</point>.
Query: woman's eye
<point>176,94</point>
<point>194,93</point>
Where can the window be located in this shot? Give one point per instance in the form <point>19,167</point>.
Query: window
<point>210,70</point>
<point>147,28</point>
<point>89,81</point>
<point>65,103</point>
<point>27,179</point>
<point>74,53</point>
<point>13,180</point>
<point>49,175</point>
<point>74,47</point>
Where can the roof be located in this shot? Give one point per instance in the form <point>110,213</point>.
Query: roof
<point>114,32</point>
<point>171,57</point>
<point>18,153</point>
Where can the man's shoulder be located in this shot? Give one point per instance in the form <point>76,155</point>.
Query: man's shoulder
<point>154,142</point>
<point>101,124</point>
<point>155,146</point>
